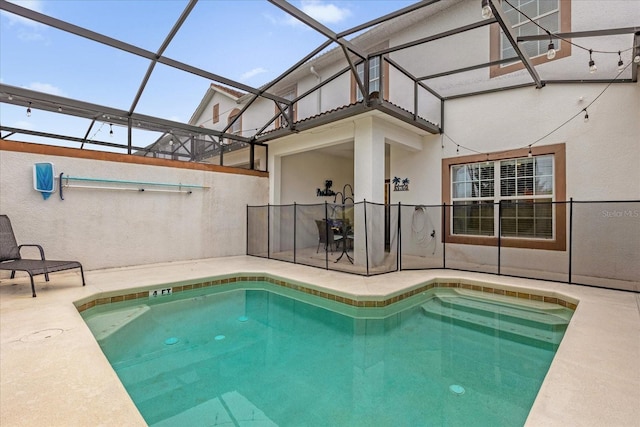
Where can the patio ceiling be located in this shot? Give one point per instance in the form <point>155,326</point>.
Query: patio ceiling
<point>350,45</point>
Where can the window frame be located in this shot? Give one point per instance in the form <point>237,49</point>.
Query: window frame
<point>559,232</point>
<point>383,79</point>
<point>563,49</point>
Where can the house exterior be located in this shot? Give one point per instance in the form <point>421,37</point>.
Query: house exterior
<point>457,138</point>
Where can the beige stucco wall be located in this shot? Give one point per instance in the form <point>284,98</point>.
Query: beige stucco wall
<point>106,228</point>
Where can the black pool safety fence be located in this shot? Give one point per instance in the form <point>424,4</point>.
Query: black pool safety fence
<point>592,243</point>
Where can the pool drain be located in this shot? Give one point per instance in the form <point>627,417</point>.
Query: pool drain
<point>171,341</point>
<point>219,337</point>
<point>456,389</point>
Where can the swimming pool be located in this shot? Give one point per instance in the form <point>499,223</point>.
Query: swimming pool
<point>248,354</point>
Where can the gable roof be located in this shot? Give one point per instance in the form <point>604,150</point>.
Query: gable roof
<point>212,90</point>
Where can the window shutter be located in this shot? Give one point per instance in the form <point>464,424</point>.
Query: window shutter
<point>216,113</point>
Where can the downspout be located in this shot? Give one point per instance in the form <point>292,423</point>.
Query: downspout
<point>315,73</point>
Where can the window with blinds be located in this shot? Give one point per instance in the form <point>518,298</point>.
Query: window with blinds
<point>514,196</point>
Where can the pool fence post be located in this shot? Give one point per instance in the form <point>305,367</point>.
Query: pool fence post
<point>499,232</point>
<point>570,236</point>
<point>246,251</point>
<point>268,231</point>
<point>295,223</point>
<point>326,236</point>
<point>399,251</point>
<point>444,235</point>
<point>366,236</point>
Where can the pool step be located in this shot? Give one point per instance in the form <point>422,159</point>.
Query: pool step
<point>104,324</point>
<point>536,324</point>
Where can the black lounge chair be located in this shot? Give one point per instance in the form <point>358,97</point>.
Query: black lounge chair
<point>10,258</point>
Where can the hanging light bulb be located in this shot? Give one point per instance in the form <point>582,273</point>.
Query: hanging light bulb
<point>29,110</point>
<point>592,64</point>
<point>636,59</point>
<point>457,149</point>
<point>10,97</point>
<point>59,109</point>
<point>486,10</point>
<point>620,63</point>
<point>551,53</point>
<point>586,116</point>
<point>111,130</point>
<point>530,153</point>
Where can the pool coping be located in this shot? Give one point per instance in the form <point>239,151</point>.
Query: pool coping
<point>116,296</point>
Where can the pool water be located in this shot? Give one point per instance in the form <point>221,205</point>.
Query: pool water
<point>251,357</point>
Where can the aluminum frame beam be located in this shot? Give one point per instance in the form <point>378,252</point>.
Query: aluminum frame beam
<point>504,23</point>
<point>67,138</point>
<point>163,47</point>
<point>278,80</point>
<point>635,51</point>
<point>581,34</point>
<point>387,17</point>
<point>412,77</point>
<point>129,48</point>
<point>86,110</point>
<point>471,68</point>
<point>434,37</point>
<point>311,22</point>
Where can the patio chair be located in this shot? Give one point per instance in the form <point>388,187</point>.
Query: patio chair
<point>326,234</point>
<point>11,260</point>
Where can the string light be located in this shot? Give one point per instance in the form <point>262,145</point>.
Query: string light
<point>620,63</point>
<point>29,110</point>
<point>59,109</point>
<point>457,149</point>
<point>530,153</point>
<point>111,130</point>
<point>486,10</point>
<point>586,115</point>
<point>551,53</point>
<point>592,64</point>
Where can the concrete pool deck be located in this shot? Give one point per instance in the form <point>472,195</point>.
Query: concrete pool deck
<point>52,371</point>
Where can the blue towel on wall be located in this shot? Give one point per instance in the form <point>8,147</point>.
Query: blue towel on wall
<point>44,179</point>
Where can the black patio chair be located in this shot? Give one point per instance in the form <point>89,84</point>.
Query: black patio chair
<point>326,236</point>
<point>11,260</point>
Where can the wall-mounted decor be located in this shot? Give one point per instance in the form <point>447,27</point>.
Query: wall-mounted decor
<point>327,189</point>
<point>400,184</point>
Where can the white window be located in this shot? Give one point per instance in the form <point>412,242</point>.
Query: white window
<point>514,196</point>
<point>374,76</point>
<point>545,12</point>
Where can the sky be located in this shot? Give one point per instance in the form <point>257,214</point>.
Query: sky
<point>249,41</point>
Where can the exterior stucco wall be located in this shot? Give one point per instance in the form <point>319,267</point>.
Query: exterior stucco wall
<point>103,228</point>
<point>304,173</point>
<point>602,158</point>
